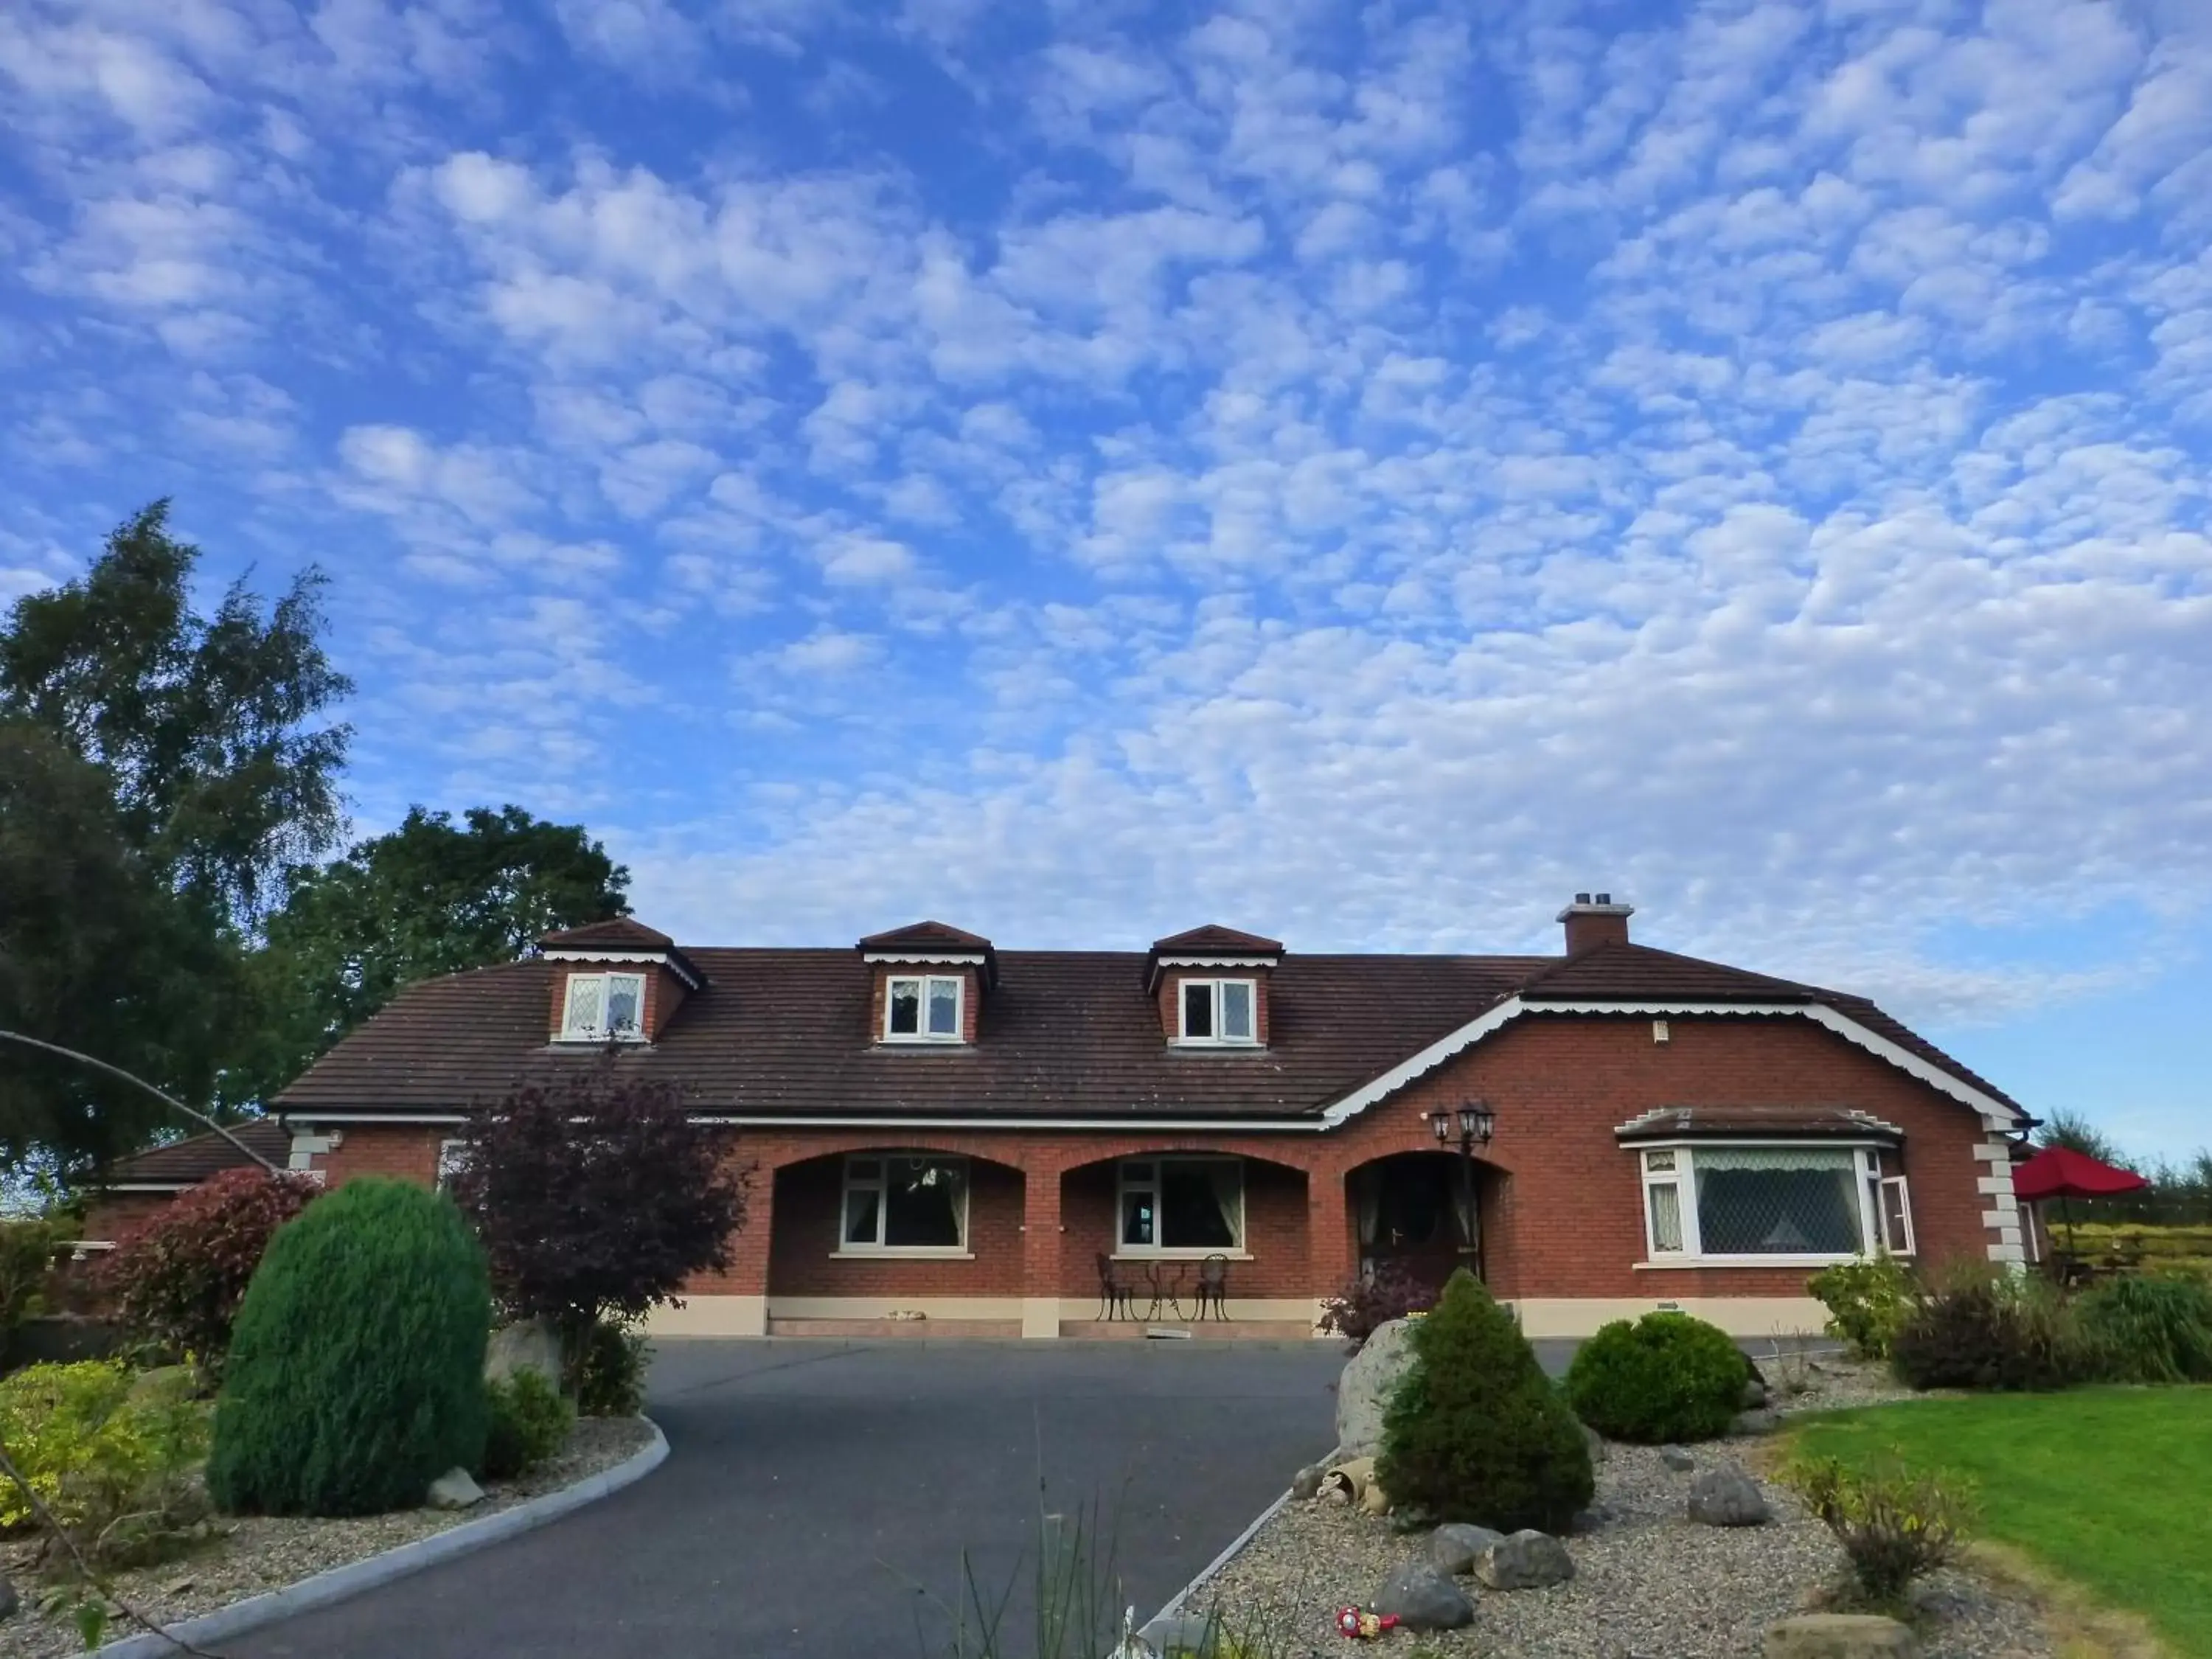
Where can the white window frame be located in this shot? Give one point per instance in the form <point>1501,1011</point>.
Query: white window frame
<point>854,1181</point>
<point>1213,986</point>
<point>959,984</point>
<point>451,1155</point>
<point>1126,1183</point>
<point>1673,1163</point>
<point>573,1032</point>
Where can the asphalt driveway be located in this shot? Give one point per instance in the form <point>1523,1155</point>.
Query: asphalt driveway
<point>820,1496</point>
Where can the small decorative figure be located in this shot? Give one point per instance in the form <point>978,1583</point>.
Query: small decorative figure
<point>1363,1626</point>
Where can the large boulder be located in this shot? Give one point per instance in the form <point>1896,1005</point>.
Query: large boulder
<point>1363,1393</point>
<point>1527,1560</point>
<point>1840,1635</point>
<point>1454,1546</point>
<point>526,1345</point>
<point>1423,1599</point>
<point>1727,1498</point>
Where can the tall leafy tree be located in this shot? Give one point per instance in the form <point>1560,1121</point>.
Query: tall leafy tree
<point>430,897</point>
<point>160,769</point>
<point>2077,1133</point>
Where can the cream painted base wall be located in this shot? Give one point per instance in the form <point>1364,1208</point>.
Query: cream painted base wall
<point>1739,1316</point>
<point>1039,1316</point>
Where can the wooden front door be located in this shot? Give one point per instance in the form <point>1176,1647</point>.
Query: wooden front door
<point>1420,1215</point>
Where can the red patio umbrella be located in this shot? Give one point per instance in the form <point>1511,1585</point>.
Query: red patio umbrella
<point>2062,1173</point>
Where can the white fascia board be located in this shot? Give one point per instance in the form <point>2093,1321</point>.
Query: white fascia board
<point>969,958</point>
<point>1850,1029</point>
<point>1217,962</point>
<point>147,1186</point>
<point>659,959</point>
<point>288,1119</point>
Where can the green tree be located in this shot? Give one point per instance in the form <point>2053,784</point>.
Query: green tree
<point>2073,1131</point>
<point>160,770</point>
<point>429,898</point>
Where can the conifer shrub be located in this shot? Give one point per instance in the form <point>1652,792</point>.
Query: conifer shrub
<point>1475,1431</point>
<point>529,1422</point>
<point>1665,1376</point>
<point>356,1364</point>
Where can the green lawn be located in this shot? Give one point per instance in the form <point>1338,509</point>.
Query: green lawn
<point>2109,1488</point>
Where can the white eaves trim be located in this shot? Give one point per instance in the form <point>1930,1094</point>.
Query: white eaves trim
<point>764,1121</point>
<point>1994,1113</point>
<point>662,958</point>
<point>925,956</point>
<point>1217,962</point>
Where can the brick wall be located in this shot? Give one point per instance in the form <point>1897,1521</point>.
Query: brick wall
<point>1561,1199</point>
<point>108,1218</point>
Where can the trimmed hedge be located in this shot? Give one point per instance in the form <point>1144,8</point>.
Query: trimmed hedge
<point>356,1365</point>
<point>1475,1431</point>
<point>1667,1376</point>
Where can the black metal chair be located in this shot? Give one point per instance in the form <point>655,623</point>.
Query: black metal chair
<point>1213,1287</point>
<point>1114,1291</point>
<point>1166,1290</point>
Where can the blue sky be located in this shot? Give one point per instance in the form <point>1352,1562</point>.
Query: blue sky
<point>1082,470</point>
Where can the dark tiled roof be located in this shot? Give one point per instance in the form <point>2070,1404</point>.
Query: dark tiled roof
<point>1065,1034</point>
<point>616,933</point>
<point>1672,1121</point>
<point>186,1163</point>
<point>926,935</point>
<point>1215,940</point>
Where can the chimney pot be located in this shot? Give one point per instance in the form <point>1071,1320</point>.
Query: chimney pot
<point>1582,899</point>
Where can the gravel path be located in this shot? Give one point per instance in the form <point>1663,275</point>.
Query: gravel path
<point>256,1553</point>
<point>1649,1584</point>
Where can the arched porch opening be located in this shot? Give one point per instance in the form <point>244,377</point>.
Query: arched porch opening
<point>1160,1221</point>
<point>895,1234</point>
<point>1424,1214</point>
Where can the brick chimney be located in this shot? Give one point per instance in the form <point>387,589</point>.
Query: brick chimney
<point>1595,919</point>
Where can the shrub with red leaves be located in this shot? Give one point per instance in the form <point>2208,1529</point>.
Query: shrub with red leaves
<point>596,1198</point>
<point>1385,1292</point>
<point>176,1281</point>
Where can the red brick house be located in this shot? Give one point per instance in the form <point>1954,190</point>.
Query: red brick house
<point>945,1130</point>
<point>135,1190</point>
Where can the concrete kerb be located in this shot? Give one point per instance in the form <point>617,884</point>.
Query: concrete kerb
<point>355,1577</point>
<point>1180,1599</point>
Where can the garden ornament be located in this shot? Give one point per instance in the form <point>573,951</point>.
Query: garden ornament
<point>1364,1627</point>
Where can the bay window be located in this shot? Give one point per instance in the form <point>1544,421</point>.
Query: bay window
<point>1173,1204</point>
<point>904,1203</point>
<point>1772,1202</point>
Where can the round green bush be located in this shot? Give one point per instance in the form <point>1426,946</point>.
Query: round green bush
<point>1667,1376</point>
<point>1475,1431</point>
<point>528,1423</point>
<point>356,1375</point>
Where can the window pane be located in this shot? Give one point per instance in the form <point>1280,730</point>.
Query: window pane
<point>1197,1008</point>
<point>1236,1010</point>
<point>1198,1204</point>
<point>1666,1216</point>
<point>1657,1162</point>
<point>1778,1201</point>
<point>625,1001</point>
<point>945,1007</point>
<point>585,993</point>
<point>924,1200</point>
<point>1896,1228</point>
<point>861,1204</point>
<point>906,1007</point>
<point>1137,1216</point>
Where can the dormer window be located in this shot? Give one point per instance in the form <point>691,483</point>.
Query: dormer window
<point>922,1007</point>
<point>604,1008</point>
<point>1217,1011</point>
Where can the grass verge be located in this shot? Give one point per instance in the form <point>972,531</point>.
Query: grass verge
<point>2104,1487</point>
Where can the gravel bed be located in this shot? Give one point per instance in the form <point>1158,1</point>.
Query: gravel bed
<point>1649,1584</point>
<point>257,1553</point>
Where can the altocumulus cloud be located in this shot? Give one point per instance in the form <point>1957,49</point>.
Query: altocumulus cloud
<point>1082,471</point>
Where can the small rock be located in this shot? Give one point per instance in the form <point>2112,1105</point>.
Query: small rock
<point>1676,1459</point>
<point>1840,1635</point>
<point>453,1490</point>
<point>1747,1424</point>
<point>1179,1634</point>
<point>178,1586</point>
<point>1527,1560</point>
<point>1727,1498</point>
<point>8,1600</point>
<point>1591,1519</point>
<point>1454,1546</point>
<point>1423,1599</point>
<point>1307,1481</point>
